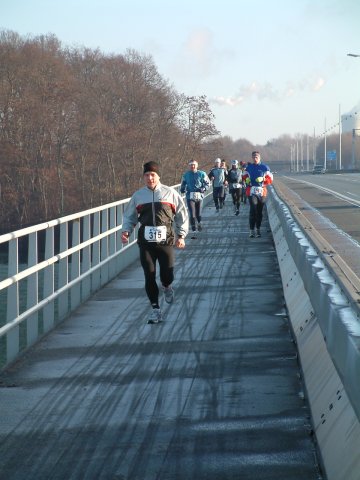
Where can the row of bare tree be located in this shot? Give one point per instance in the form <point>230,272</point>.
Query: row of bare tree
<point>76,127</point>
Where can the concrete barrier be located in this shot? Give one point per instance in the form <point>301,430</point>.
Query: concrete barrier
<point>327,332</point>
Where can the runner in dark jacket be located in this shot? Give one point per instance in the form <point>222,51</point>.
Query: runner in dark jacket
<point>163,219</point>
<point>234,178</point>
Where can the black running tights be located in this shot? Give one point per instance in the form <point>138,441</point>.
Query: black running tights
<point>149,254</point>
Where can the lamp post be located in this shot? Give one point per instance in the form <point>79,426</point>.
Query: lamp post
<point>340,131</point>
<point>354,130</point>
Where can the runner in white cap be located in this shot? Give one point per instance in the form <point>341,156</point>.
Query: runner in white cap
<point>234,178</point>
<point>218,177</point>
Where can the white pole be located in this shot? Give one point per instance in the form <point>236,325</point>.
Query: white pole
<point>325,146</point>
<point>297,155</point>
<point>340,131</point>
<point>307,152</point>
<point>314,149</point>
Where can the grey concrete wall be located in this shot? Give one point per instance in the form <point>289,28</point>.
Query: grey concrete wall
<point>327,332</point>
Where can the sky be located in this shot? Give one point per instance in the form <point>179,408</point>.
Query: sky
<point>266,67</point>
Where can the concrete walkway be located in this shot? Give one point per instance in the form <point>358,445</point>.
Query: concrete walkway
<point>214,392</point>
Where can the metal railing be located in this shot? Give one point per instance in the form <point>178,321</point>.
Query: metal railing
<point>55,266</point>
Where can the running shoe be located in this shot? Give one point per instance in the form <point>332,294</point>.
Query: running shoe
<point>258,234</point>
<point>199,227</point>
<point>252,234</point>
<point>155,316</point>
<point>168,294</point>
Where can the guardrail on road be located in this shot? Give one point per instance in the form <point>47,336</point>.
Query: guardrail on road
<point>326,326</point>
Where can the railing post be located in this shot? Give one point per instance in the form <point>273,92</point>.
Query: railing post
<point>112,241</point>
<point>75,265</point>
<point>63,301</point>
<point>49,314</point>
<point>32,291</point>
<point>86,259</point>
<point>12,338</point>
<point>96,253</point>
<point>104,248</point>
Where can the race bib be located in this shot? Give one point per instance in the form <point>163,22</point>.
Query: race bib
<point>236,185</point>
<point>195,196</point>
<point>256,191</point>
<point>155,234</point>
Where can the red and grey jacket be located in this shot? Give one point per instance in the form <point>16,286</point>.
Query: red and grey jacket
<point>161,206</point>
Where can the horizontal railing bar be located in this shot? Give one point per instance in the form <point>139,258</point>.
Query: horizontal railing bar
<point>6,237</point>
<point>12,324</point>
<point>50,261</point>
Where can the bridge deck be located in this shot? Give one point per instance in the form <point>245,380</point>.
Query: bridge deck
<point>213,392</point>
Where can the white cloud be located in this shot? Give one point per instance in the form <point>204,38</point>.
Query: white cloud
<point>266,91</point>
<point>320,82</point>
<point>199,55</point>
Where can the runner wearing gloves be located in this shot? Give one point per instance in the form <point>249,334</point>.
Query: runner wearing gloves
<point>234,178</point>
<point>194,183</point>
<point>257,175</point>
<point>163,219</point>
<point>217,176</point>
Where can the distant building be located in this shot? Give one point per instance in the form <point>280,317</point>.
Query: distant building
<point>351,120</point>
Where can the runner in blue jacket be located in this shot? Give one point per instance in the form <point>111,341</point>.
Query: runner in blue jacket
<point>194,183</point>
<point>217,176</point>
<point>257,176</point>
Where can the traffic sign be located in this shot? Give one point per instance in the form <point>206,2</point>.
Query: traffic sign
<point>331,155</point>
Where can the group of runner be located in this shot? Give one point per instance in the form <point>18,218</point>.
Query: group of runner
<point>164,218</point>
<point>243,180</point>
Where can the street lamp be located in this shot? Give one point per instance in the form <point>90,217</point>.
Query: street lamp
<point>354,129</point>
<point>353,162</point>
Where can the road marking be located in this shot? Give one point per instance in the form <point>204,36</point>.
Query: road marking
<point>356,203</point>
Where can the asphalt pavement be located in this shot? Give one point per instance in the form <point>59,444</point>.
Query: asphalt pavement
<point>213,392</point>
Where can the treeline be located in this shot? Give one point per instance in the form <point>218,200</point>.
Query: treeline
<point>76,126</point>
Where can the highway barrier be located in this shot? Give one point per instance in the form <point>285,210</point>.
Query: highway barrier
<point>326,327</point>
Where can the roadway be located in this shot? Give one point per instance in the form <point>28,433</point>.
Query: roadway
<point>214,392</point>
<point>332,203</point>
<point>336,196</point>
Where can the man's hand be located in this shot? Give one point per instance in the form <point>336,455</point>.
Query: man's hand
<point>259,179</point>
<point>124,237</point>
<point>180,243</point>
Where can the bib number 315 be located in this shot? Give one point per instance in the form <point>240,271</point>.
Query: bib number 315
<point>155,234</point>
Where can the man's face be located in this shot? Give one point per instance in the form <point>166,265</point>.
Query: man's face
<point>256,159</point>
<point>193,167</point>
<point>151,179</point>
